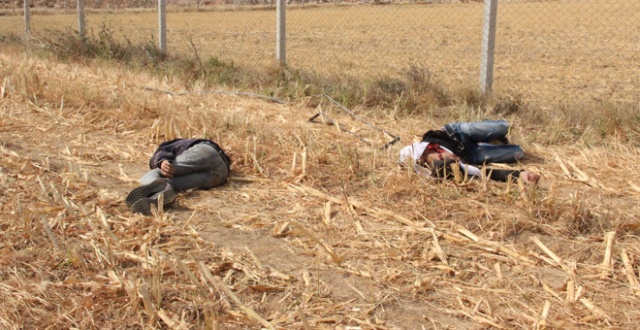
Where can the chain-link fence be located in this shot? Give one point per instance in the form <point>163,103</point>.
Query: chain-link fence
<point>573,51</point>
<point>570,51</point>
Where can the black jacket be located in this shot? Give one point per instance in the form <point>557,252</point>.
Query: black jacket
<point>450,142</point>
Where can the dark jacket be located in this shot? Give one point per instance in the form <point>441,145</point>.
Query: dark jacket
<point>171,149</point>
<point>449,141</point>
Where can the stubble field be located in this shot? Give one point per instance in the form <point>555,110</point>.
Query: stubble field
<point>316,229</point>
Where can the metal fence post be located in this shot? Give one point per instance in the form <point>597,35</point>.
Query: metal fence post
<point>27,17</point>
<point>281,32</point>
<point>162,24</point>
<point>81,23</point>
<point>488,45</point>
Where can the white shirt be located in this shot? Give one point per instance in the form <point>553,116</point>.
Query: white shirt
<point>414,152</point>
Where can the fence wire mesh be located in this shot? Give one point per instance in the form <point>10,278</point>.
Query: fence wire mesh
<point>569,51</point>
<point>549,51</point>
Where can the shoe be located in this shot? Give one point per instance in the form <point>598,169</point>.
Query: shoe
<point>146,191</point>
<point>148,194</point>
<point>143,206</point>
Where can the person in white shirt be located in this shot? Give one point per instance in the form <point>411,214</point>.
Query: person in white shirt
<point>467,144</point>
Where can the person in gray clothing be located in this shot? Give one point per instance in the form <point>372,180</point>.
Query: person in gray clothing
<point>179,165</point>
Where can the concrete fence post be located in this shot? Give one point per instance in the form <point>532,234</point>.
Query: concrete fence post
<point>162,24</point>
<point>281,32</point>
<point>27,17</point>
<point>488,46</point>
<point>81,22</point>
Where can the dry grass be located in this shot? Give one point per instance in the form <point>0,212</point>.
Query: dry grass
<point>316,230</point>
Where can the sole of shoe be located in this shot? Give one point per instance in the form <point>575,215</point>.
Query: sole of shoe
<point>143,205</point>
<point>146,191</point>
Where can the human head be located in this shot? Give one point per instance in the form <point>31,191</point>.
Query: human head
<point>442,169</point>
<point>434,153</point>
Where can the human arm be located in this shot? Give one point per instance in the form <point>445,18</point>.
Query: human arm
<point>168,151</point>
<point>159,157</point>
<point>443,169</point>
<point>527,176</point>
<point>167,169</point>
<point>530,177</point>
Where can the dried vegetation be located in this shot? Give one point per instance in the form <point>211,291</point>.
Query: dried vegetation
<point>317,229</point>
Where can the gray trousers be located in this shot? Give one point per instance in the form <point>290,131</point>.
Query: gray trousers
<point>200,166</point>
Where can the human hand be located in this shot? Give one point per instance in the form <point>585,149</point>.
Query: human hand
<point>529,177</point>
<point>166,169</point>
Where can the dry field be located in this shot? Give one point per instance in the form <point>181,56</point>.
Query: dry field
<point>569,53</point>
<point>315,230</point>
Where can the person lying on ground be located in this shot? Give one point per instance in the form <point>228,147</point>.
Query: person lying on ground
<point>467,144</point>
<point>176,166</point>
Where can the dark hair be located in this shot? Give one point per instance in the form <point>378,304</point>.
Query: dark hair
<point>442,169</point>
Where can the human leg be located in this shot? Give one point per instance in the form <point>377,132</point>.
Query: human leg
<point>200,166</point>
<point>144,205</point>
<point>476,132</point>
<point>484,153</point>
<point>150,176</point>
<point>141,198</point>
